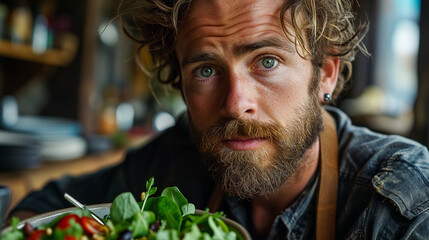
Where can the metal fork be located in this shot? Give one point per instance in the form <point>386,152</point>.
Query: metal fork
<point>76,203</point>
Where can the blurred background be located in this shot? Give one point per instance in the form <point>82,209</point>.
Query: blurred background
<point>73,98</point>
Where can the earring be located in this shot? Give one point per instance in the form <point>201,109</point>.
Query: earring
<point>327,97</point>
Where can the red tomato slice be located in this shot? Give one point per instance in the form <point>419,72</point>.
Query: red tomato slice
<point>36,235</point>
<point>65,221</point>
<point>90,225</point>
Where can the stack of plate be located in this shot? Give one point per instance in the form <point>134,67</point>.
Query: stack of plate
<point>18,152</point>
<point>57,139</point>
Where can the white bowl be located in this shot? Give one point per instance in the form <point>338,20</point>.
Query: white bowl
<point>103,209</point>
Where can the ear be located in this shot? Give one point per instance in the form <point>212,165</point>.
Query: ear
<point>329,77</point>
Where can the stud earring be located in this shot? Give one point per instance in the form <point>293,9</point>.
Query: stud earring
<point>327,97</point>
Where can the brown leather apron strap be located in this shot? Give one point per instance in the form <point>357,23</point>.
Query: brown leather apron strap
<point>328,183</point>
<point>215,199</point>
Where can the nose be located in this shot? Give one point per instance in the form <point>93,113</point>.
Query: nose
<point>239,98</point>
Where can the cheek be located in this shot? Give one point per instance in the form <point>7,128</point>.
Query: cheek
<point>281,98</point>
<point>202,109</point>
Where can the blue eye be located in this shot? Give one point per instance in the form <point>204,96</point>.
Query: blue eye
<point>268,62</point>
<point>205,72</point>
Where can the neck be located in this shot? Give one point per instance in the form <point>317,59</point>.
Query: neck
<point>266,208</point>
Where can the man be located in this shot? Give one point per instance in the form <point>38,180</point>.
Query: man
<point>256,76</point>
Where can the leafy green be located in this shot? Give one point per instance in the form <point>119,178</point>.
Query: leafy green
<point>194,233</point>
<point>165,208</point>
<point>167,234</point>
<point>220,233</point>
<point>188,209</point>
<point>15,234</point>
<point>141,223</point>
<point>175,194</point>
<point>124,206</point>
<point>149,191</point>
<point>14,223</point>
<point>117,228</point>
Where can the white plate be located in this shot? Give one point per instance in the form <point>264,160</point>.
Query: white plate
<point>49,147</point>
<point>46,126</point>
<point>59,148</point>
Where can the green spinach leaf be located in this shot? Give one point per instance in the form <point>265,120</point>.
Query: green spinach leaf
<point>175,194</point>
<point>123,207</point>
<point>141,222</point>
<point>14,234</point>
<point>193,234</point>
<point>165,208</point>
<point>167,234</point>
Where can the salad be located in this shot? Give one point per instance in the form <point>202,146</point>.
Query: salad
<point>165,217</point>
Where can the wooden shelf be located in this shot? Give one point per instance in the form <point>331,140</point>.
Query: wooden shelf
<point>54,57</point>
<point>22,182</point>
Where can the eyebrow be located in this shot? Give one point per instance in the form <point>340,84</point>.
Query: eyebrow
<point>244,49</point>
<point>199,58</point>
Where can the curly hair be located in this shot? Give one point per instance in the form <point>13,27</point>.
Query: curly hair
<point>321,28</point>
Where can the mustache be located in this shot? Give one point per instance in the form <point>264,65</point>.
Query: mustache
<point>243,127</point>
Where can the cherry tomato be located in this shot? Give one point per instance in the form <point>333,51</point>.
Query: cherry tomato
<point>90,225</point>
<point>65,221</point>
<point>36,235</point>
<point>68,237</point>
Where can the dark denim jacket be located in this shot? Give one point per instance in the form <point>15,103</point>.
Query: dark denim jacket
<point>383,185</point>
<point>383,190</point>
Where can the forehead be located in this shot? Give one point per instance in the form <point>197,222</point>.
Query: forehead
<point>231,21</point>
<point>225,10</point>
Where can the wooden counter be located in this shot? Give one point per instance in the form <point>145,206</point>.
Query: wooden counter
<point>23,181</point>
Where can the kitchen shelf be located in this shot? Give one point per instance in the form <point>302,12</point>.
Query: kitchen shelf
<point>54,57</point>
<point>22,182</point>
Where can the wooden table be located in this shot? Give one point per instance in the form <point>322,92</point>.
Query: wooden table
<point>21,182</point>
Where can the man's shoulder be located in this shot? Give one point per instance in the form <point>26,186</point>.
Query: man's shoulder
<point>398,192</point>
<point>393,166</point>
<point>362,151</point>
<point>405,181</point>
<point>399,171</point>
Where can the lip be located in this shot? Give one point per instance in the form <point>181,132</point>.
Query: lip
<point>241,143</point>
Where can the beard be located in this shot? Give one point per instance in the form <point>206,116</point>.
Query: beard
<point>260,171</point>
